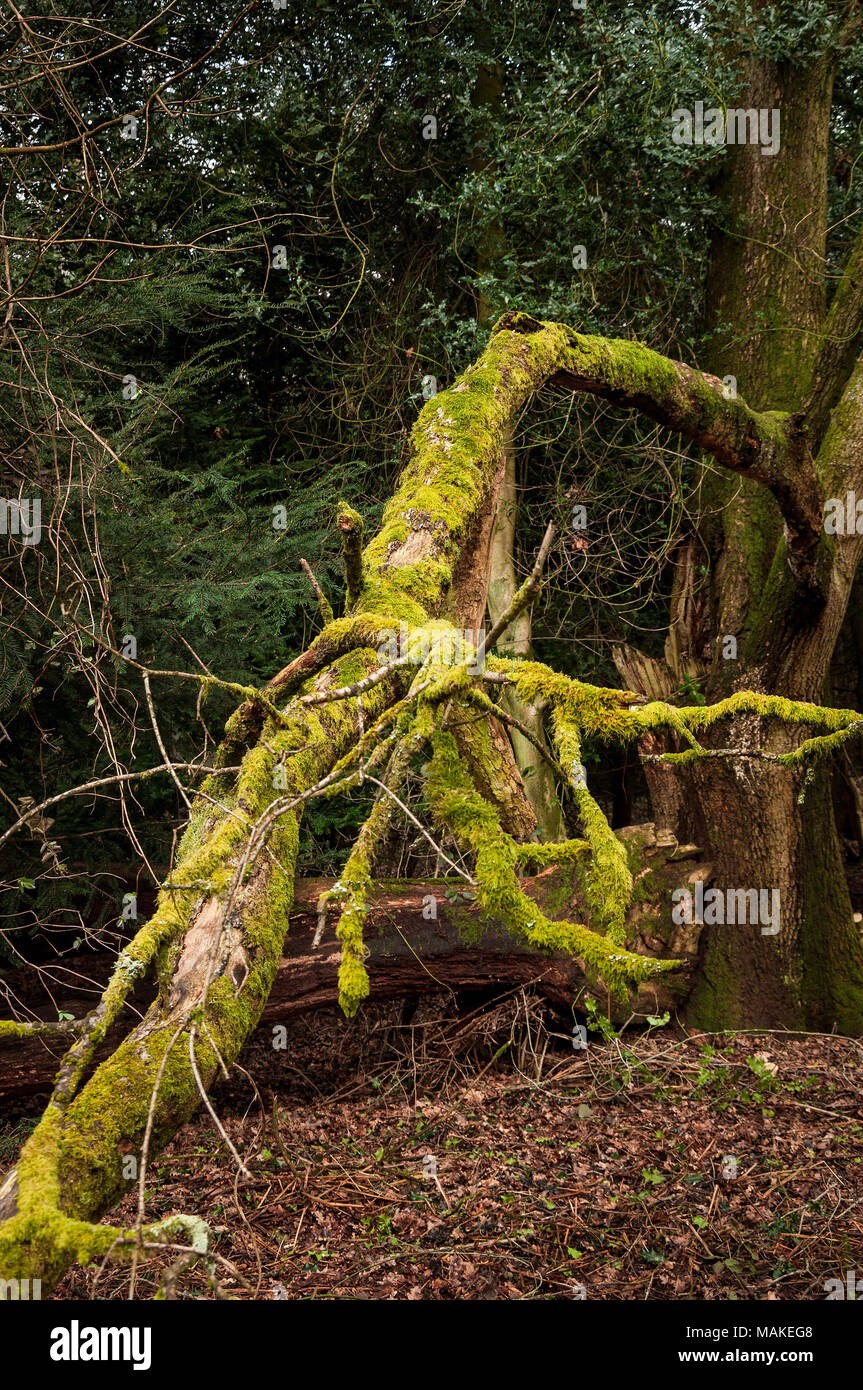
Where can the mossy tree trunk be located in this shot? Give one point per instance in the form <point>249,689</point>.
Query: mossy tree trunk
<point>760,826</point>
<point>531,770</point>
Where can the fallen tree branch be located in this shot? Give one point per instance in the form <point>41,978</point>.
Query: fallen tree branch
<point>216,942</point>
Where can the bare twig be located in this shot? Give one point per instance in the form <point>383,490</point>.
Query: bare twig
<point>106,782</point>
<point>323,601</point>
<point>526,593</point>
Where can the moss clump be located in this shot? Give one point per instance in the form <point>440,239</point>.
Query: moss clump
<point>455,447</point>
<point>458,806</point>
<point>543,856</point>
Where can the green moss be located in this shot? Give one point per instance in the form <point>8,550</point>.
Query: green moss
<point>542,856</point>
<point>75,1153</point>
<point>455,447</point>
<point>457,805</point>
<point>349,516</point>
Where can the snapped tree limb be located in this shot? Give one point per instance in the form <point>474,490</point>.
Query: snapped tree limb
<point>214,941</point>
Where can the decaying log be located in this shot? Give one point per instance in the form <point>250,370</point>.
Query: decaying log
<point>408,953</point>
<point>411,951</point>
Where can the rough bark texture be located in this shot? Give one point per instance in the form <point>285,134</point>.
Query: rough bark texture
<point>411,951</point>
<point>762,825</point>
<point>214,939</point>
<point>772,272</point>
<point>485,747</point>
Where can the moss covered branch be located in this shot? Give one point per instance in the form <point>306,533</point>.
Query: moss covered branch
<point>351,527</point>
<point>214,942</point>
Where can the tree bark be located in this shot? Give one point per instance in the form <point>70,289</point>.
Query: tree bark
<point>536,773</point>
<point>420,941</point>
<point>766,827</point>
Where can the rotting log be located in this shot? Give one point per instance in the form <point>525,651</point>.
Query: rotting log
<point>410,952</point>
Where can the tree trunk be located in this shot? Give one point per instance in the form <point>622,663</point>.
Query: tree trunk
<point>539,780</point>
<point>215,938</point>
<point>762,826</point>
<point>541,814</point>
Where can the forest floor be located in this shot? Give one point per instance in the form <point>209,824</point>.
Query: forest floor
<point>478,1156</point>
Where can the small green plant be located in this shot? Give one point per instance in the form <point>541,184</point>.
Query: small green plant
<point>689,691</point>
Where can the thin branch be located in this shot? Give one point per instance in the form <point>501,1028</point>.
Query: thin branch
<point>106,782</point>
<point>162,749</point>
<point>206,1099</point>
<point>526,593</point>
<point>419,825</point>
<point>345,692</point>
<point>246,692</point>
<point>481,700</point>
<point>323,601</point>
